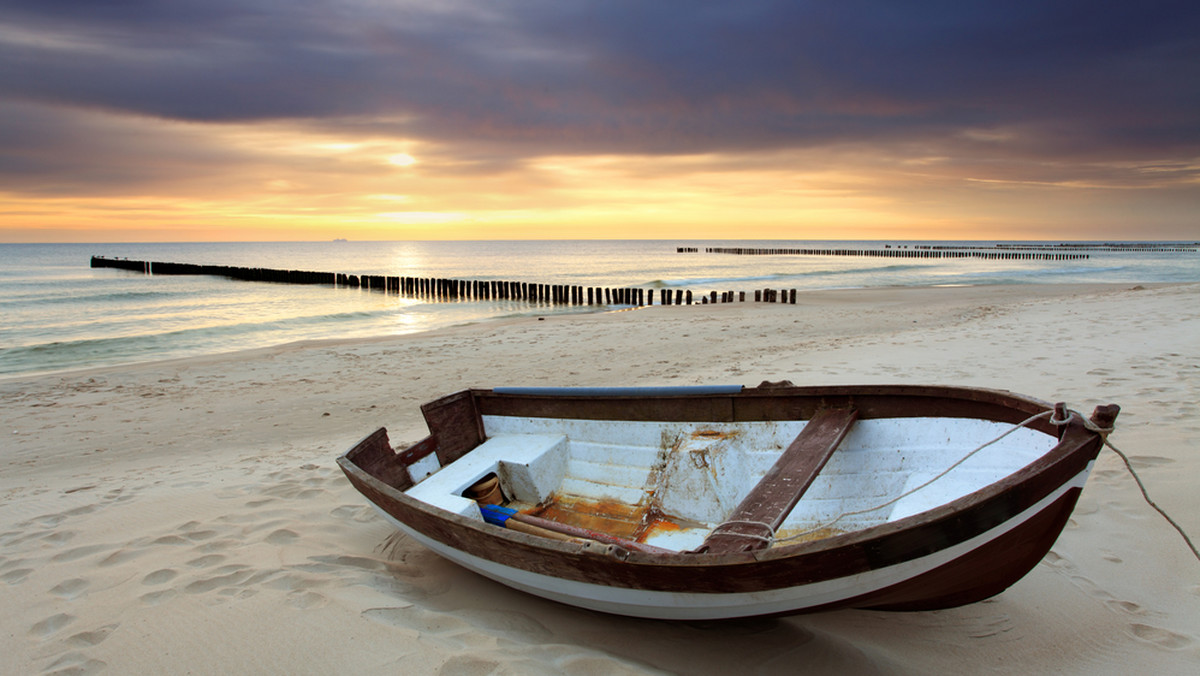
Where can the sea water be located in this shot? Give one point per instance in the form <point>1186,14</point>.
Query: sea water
<point>57,313</point>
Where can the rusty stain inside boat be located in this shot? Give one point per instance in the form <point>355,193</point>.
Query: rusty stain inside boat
<point>632,522</point>
<point>606,516</point>
<point>659,527</point>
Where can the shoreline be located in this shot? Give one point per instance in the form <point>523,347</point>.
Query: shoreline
<point>188,514</point>
<point>818,296</point>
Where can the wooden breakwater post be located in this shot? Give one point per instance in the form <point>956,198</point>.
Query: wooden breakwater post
<point>898,253</point>
<point>775,296</point>
<point>424,288</point>
<point>443,289</point>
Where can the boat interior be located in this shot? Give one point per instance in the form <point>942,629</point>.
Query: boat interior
<point>672,484</point>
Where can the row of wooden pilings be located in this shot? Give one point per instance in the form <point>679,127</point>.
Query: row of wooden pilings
<point>892,253</point>
<point>438,290</point>
<point>1151,247</point>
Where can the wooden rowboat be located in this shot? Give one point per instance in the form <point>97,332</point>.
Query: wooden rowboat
<point>721,502</point>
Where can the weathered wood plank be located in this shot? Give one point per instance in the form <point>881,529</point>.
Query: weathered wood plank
<point>770,502</point>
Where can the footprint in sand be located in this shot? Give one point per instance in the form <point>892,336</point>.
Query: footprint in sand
<point>58,537</point>
<point>1054,560</point>
<point>16,576</point>
<point>1146,461</point>
<point>206,561</point>
<point>87,639</point>
<point>426,623</point>
<point>226,576</point>
<point>121,556</point>
<point>1125,607</point>
<point>161,576</point>
<point>1161,637</point>
<point>991,626</point>
<point>357,513</point>
<point>76,553</point>
<point>282,536</point>
<point>45,521</point>
<point>158,597</point>
<point>200,535</point>
<point>70,589</point>
<point>76,664</point>
<point>1109,475</point>
<point>51,625</point>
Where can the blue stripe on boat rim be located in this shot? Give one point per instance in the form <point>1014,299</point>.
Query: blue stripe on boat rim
<point>689,390</point>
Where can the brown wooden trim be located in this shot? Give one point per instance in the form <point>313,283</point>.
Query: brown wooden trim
<point>375,455</point>
<point>454,422</point>
<point>417,452</point>
<point>787,403</point>
<point>783,485</point>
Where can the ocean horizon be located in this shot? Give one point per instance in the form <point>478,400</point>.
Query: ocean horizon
<point>60,314</point>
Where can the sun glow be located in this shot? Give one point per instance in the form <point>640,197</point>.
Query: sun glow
<point>285,180</point>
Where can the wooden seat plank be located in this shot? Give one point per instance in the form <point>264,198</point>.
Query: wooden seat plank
<point>773,498</point>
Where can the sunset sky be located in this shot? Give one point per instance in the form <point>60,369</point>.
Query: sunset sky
<point>145,120</point>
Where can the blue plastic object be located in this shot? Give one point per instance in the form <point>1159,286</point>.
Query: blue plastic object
<point>496,515</point>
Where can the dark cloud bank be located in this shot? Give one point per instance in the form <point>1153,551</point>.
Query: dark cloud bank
<point>1080,78</point>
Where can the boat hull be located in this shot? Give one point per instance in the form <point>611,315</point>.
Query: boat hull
<point>948,578</point>
<point>962,552</point>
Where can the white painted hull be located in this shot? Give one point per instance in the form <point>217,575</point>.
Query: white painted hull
<point>689,606</point>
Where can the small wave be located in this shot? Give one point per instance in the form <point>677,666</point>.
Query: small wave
<point>43,297</point>
<point>778,276</point>
<point>1016,274</point>
<point>103,351</point>
<point>707,281</point>
<point>874,270</point>
<point>60,355</point>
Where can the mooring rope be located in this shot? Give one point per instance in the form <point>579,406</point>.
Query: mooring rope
<point>1104,432</point>
<point>1142,487</point>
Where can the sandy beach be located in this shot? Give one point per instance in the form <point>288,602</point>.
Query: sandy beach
<point>188,516</point>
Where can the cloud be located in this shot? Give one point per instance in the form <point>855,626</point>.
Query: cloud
<point>667,77</point>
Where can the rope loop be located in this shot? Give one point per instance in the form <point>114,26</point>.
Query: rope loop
<point>1088,423</point>
<point>769,538</point>
<point>1102,431</point>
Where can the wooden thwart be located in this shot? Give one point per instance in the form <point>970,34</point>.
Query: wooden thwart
<point>770,502</point>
